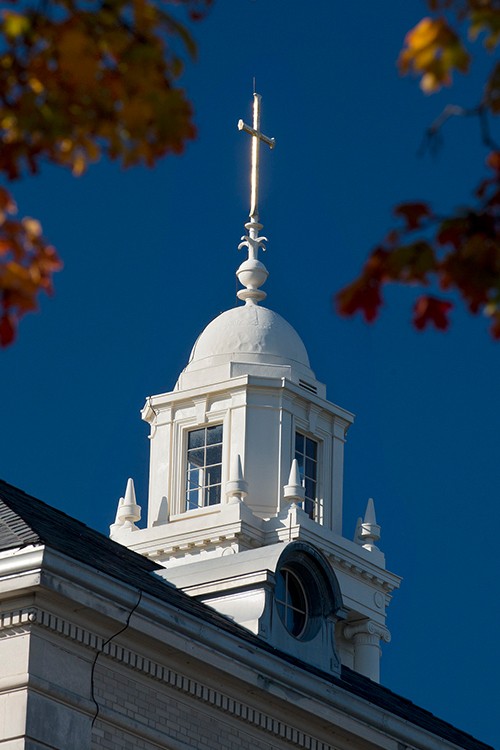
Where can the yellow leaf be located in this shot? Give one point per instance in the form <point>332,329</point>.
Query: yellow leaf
<point>32,226</point>
<point>15,24</point>
<point>79,164</point>
<point>35,85</point>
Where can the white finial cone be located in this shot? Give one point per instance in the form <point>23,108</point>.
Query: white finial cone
<point>128,510</point>
<point>118,524</point>
<point>293,491</point>
<point>236,488</point>
<point>370,530</point>
<point>370,512</point>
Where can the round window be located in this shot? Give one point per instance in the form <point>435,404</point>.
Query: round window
<point>292,602</point>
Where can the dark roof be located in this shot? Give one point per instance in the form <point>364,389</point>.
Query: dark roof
<point>24,521</point>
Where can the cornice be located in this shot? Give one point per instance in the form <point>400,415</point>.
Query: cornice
<point>17,621</point>
<point>20,621</point>
<point>260,672</point>
<point>230,386</point>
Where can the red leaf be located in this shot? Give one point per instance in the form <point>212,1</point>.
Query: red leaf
<point>495,327</point>
<point>363,296</point>
<point>493,161</point>
<point>451,235</point>
<point>429,310</point>
<point>413,213</point>
<point>7,330</point>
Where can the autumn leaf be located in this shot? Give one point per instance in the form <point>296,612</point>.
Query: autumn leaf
<point>413,213</point>
<point>15,24</point>
<point>458,253</point>
<point>362,296</point>
<point>431,311</point>
<point>27,264</point>
<point>433,50</point>
<point>7,329</point>
<point>78,82</point>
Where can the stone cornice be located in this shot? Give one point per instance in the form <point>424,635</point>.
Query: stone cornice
<point>232,385</point>
<point>157,625</point>
<point>17,621</point>
<point>20,621</point>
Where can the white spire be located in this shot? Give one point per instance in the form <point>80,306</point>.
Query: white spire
<point>127,512</point>
<point>252,273</point>
<point>293,491</point>
<point>236,488</point>
<point>370,530</point>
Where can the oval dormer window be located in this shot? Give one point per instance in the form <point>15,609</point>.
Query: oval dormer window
<point>292,602</point>
<point>306,591</point>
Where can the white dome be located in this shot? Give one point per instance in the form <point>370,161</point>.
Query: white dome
<point>252,334</point>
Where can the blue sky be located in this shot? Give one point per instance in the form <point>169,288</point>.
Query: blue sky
<point>150,257</point>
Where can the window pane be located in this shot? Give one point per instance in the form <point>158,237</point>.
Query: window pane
<point>309,508</point>
<point>310,468</point>
<point>196,457</point>
<point>300,461</point>
<point>213,495</point>
<point>192,499</point>
<point>299,442</point>
<point>310,488</point>
<point>213,475</point>
<point>297,622</point>
<point>214,455</point>
<point>291,602</point>
<point>193,479</point>
<point>279,589</point>
<point>196,438</point>
<point>214,434</point>
<point>311,448</point>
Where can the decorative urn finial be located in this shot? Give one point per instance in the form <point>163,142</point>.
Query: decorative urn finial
<point>252,273</point>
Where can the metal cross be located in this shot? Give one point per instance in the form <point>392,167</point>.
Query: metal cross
<point>257,137</point>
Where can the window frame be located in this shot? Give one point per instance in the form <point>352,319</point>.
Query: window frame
<point>203,487</point>
<point>286,605</point>
<point>317,510</point>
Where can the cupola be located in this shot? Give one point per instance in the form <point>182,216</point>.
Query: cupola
<point>246,483</point>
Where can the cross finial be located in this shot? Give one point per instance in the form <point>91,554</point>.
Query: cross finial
<point>252,273</point>
<point>257,137</point>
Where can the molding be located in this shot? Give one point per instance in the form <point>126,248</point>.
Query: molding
<point>21,620</point>
<point>363,573</point>
<point>17,621</point>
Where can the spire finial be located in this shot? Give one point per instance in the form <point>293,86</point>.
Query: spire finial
<point>128,512</point>
<point>252,273</point>
<point>294,491</point>
<point>369,531</point>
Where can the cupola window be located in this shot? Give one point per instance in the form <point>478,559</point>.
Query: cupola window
<point>306,453</point>
<point>204,467</point>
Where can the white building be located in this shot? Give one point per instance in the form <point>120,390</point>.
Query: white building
<point>247,620</point>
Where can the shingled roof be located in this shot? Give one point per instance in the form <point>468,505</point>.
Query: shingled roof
<point>25,520</point>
